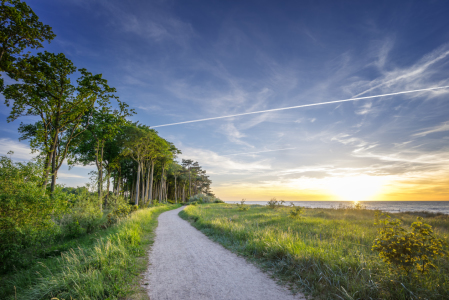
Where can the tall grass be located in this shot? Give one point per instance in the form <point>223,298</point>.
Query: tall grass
<point>326,253</point>
<point>103,266</point>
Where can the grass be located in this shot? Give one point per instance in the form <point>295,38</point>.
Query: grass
<point>325,254</point>
<point>104,265</point>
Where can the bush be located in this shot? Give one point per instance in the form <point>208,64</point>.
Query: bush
<point>26,211</point>
<point>407,250</point>
<point>201,198</point>
<point>84,216</point>
<point>273,203</point>
<point>242,205</point>
<point>296,212</point>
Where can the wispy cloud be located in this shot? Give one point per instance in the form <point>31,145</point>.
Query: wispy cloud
<point>439,128</point>
<point>221,164</point>
<point>305,105</point>
<point>412,77</point>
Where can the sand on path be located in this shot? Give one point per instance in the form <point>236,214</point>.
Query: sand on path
<point>185,264</point>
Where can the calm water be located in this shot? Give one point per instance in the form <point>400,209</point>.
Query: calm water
<point>387,206</point>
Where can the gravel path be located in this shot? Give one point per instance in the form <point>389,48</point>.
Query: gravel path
<point>185,264</point>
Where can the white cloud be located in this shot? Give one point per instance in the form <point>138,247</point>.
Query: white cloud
<point>233,134</point>
<point>67,175</point>
<point>219,164</point>
<point>439,128</point>
<point>21,151</point>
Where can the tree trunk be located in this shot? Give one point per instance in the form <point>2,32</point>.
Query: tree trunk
<point>151,182</point>
<point>142,188</point>
<point>162,184</point>
<point>190,183</point>
<point>166,191</point>
<point>136,201</point>
<point>176,196</point>
<point>183,193</point>
<point>107,188</point>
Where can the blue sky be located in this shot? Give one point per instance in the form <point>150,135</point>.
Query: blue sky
<point>177,61</point>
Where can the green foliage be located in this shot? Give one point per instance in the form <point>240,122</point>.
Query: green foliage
<point>407,250</point>
<point>26,211</point>
<point>273,203</point>
<point>327,255</point>
<point>202,198</point>
<point>20,29</point>
<point>46,91</point>
<point>83,216</point>
<point>101,266</point>
<point>242,205</point>
<point>296,212</point>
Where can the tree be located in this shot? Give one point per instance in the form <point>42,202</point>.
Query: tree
<point>20,28</point>
<point>187,163</point>
<point>152,152</point>
<point>176,170</point>
<point>99,142</point>
<point>135,148</point>
<point>46,91</point>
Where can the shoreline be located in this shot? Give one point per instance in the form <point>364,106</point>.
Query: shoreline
<point>413,207</point>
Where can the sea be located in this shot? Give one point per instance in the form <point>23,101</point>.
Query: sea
<point>386,206</point>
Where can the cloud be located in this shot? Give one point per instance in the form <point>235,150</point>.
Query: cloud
<point>21,151</point>
<point>439,128</point>
<point>219,164</point>
<point>67,175</point>
<point>415,76</point>
<point>233,134</point>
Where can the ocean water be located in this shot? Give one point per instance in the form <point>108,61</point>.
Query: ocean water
<point>386,206</point>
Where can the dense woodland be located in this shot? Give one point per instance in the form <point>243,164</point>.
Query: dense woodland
<point>80,122</point>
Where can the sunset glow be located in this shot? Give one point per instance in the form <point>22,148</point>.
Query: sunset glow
<point>277,99</point>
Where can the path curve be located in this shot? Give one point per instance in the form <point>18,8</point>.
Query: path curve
<point>185,264</point>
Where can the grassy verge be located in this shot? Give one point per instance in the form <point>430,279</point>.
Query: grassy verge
<point>104,265</point>
<point>326,254</point>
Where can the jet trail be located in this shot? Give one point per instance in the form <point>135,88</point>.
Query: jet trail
<point>258,152</point>
<point>305,105</point>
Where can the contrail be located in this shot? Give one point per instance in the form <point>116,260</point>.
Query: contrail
<point>305,105</point>
<point>258,152</point>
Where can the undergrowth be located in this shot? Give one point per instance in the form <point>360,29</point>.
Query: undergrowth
<point>326,253</point>
<point>102,265</point>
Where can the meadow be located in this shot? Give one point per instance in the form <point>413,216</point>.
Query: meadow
<point>104,264</point>
<point>325,253</point>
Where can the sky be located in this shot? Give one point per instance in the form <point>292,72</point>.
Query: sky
<point>177,61</point>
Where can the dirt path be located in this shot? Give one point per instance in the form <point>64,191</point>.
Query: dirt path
<point>185,264</point>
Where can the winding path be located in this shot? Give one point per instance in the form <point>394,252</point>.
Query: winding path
<point>185,264</point>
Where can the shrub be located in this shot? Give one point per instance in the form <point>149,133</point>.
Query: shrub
<point>201,198</point>
<point>273,203</point>
<point>119,208</point>
<point>358,206</point>
<point>26,211</point>
<point>296,212</point>
<point>242,205</point>
<point>407,250</point>
<point>83,217</point>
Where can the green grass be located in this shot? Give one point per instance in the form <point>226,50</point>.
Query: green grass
<point>325,254</point>
<point>103,265</point>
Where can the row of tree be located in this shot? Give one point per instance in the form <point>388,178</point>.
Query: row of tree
<point>83,121</point>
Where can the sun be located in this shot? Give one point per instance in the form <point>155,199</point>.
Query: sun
<point>356,188</point>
